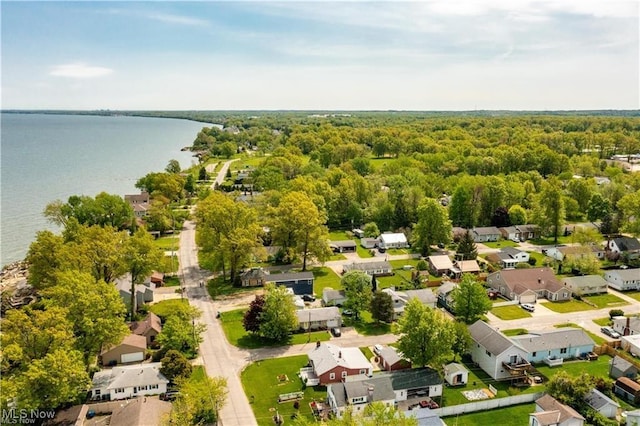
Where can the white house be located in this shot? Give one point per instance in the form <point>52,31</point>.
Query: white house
<point>402,298</point>
<point>623,279</point>
<point>509,257</point>
<point>456,374</point>
<point>129,381</point>
<point>496,354</point>
<point>551,412</point>
<point>626,325</point>
<point>602,403</point>
<point>358,394</point>
<point>631,344</point>
<point>586,284</point>
<point>393,240</point>
<point>319,318</point>
<point>624,244</point>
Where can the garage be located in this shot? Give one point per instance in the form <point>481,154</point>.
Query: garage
<point>133,357</point>
<point>528,297</point>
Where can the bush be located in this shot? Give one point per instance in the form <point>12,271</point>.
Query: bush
<point>532,261</point>
<point>616,313</point>
<point>422,265</point>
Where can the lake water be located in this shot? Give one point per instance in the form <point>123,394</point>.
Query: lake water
<point>47,157</point>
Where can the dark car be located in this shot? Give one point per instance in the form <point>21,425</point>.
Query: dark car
<point>610,332</point>
<point>308,298</point>
<point>336,332</point>
<point>169,396</point>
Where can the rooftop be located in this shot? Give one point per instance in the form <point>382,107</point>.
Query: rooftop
<point>318,314</point>
<point>553,339</point>
<point>549,404</point>
<point>326,357</point>
<point>490,338</point>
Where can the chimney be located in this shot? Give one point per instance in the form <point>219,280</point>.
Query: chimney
<point>370,390</point>
<point>340,354</point>
<point>318,344</point>
<point>539,281</point>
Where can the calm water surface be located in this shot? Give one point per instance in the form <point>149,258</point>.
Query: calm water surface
<point>48,157</point>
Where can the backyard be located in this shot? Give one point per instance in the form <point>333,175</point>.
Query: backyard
<point>366,325</point>
<point>324,277</point>
<point>264,381</point>
<point>507,416</point>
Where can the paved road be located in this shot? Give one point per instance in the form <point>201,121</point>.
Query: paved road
<point>222,174</point>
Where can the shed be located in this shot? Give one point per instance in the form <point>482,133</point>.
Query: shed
<point>620,367</point>
<point>627,389</point>
<point>456,374</point>
<point>131,349</point>
<point>346,246</point>
<point>602,403</point>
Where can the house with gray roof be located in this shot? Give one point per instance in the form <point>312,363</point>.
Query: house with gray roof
<point>561,343</point>
<point>140,412</point>
<point>331,297</point>
<point>370,268</point>
<point>500,357</point>
<point>626,326</point>
<point>129,381</point>
<point>527,285</point>
<point>484,234</point>
<point>620,367</point>
<point>401,299</point>
<point>585,284</point>
<point>444,294</point>
<point>414,383</point>
<point>358,394</point>
<point>319,318</point>
<point>623,279</point>
<point>624,244</point>
<point>392,360</point>
<point>602,403</point>
<point>551,412</point>
<point>299,282</point>
<point>343,246</point>
<point>508,257</point>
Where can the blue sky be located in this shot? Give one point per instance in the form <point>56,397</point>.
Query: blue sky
<point>426,55</point>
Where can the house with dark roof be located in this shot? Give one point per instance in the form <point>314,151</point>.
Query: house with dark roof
<point>623,279</point>
<point>627,389</point>
<point>585,284</point>
<point>370,268</point>
<point>508,257</point>
<point>520,232</point>
<point>561,343</point>
<point>624,244</point>
<point>346,246</point>
<point>392,360</point>
<point>131,349</point>
<point>299,282</point>
<point>401,299</point>
<point>528,285</point>
<point>414,383</point>
<point>149,327</point>
<point>620,367</point>
<point>444,294</point>
<point>602,403</point>
<point>484,234</point>
<point>551,412</point>
<point>254,277</point>
<point>499,357</point>
<point>140,203</point>
<point>129,381</point>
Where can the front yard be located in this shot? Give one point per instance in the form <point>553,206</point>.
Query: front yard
<point>167,307</point>
<point>366,325</point>
<point>633,294</point>
<point>238,336</point>
<point>510,312</point>
<point>500,244</point>
<point>568,306</point>
<point>264,381</point>
<point>606,301</point>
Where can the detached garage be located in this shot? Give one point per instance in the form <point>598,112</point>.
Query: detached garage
<point>131,349</point>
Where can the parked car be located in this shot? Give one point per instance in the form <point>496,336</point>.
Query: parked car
<point>336,332</point>
<point>308,298</point>
<point>169,396</point>
<point>377,349</point>
<point>347,312</point>
<point>610,332</point>
<point>528,307</point>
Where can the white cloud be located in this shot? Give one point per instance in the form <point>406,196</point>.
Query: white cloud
<point>79,70</point>
<point>178,19</point>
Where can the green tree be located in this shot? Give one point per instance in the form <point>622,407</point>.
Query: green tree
<point>173,167</point>
<point>581,190</point>
<point>103,210</point>
<point>94,308</point>
<point>357,291</point>
<point>549,211</point>
<point>433,227</point>
<point>199,401</point>
<point>371,230</point>
<point>202,174</point>
<point>462,340</point>
<point>599,207</point>
<point>375,414</point>
<point>296,223</point>
<point>190,184</point>
<point>586,264</point>
<point>278,318</point>
<point>584,235</point>
<point>517,215</point>
<point>228,149</point>
<point>629,205</point>
<point>425,335</point>
<point>167,185</point>
<point>463,209</point>
<point>29,334</point>
<point>175,366</point>
<point>182,332</point>
<point>470,300</point>
<point>381,307</point>
<point>467,249</point>
<point>44,259</point>
<point>58,378</point>
<point>141,257</point>
<point>493,195</point>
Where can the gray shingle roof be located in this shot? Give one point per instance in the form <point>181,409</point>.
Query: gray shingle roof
<point>131,375</point>
<point>597,399</point>
<point>553,339</point>
<point>414,378</point>
<point>380,387</point>
<point>290,276</point>
<point>585,281</point>
<point>489,338</point>
<point>318,314</point>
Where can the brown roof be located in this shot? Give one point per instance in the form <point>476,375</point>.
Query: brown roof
<point>141,411</point>
<point>550,404</point>
<point>151,322</point>
<point>130,340</point>
<point>535,279</point>
<point>628,384</point>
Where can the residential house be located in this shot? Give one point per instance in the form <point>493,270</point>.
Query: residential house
<point>551,412</point>
<point>457,233</point>
<point>444,295</point>
<point>149,327</point>
<point>331,297</point>
<point>586,284</point>
<point>346,246</point>
<point>631,344</point>
<point>485,234</point>
<point>624,244</point>
<point>157,278</point>
<point>602,403</point>
<point>392,360</point>
<point>626,325</point>
<point>254,277</point>
<point>319,318</point>
<point>528,285</point>
<point>500,357</point>
<point>330,364</point>
<point>464,267</point>
<point>633,418</point>
<point>561,343</point>
<point>620,367</point>
<point>143,292</point>
<point>623,279</point>
<point>440,264</point>
<point>508,257</point>
<point>402,298</point>
<point>393,240</point>
<point>356,395</point>
<point>141,411</point>
<point>456,374</point>
<point>140,203</point>
<point>371,268</point>
<point>509,233</point>
<point>565,253</point>
<point>519,232</point>
<point>627,389</point>
<point>129,381</point>
<point>299,282</point>
<point>131,349</point>
<point>369,243</point>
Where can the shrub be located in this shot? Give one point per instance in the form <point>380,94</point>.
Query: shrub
<point>532,261</point>
<point>616,313</point>
<point>422,265</point>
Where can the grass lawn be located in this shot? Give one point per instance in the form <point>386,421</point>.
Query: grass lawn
<point>169,264</point>
<point>363,252</point>
<point>515,332</point>
<point>568,306</point>
<point>219,287</point>
<point>500,244</point>
<point>262,386</point>
<point>168,243</point>
<point>243,163</point>
<point>339,236</point>
<point>171,281</point>
<point>602,322</point>
<point>366,352</point>
<point>237,335</point>
<point>606,300</point>
<point>395,252</point>
<point>510,312</point>
<point>167,307</point>
<point>325,277</point>
<point>597,339</point>
<point>507,416</point>
<point>337,256</point>
<point>539,257</point>
<point>633,294</point>
<point>367,326</point>
<point>597,368</point>
<point>548,241</point>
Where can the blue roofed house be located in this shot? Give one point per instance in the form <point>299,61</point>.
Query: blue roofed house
<point>299,282</point>
<point>555,345</point>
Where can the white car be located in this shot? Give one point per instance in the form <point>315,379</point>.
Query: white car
<point>528,307</point>
<point>377,349</point>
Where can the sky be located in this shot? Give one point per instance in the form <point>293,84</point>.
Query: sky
<point>321,55</point>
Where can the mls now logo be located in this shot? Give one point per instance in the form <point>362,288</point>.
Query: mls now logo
<point>26,417</point>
